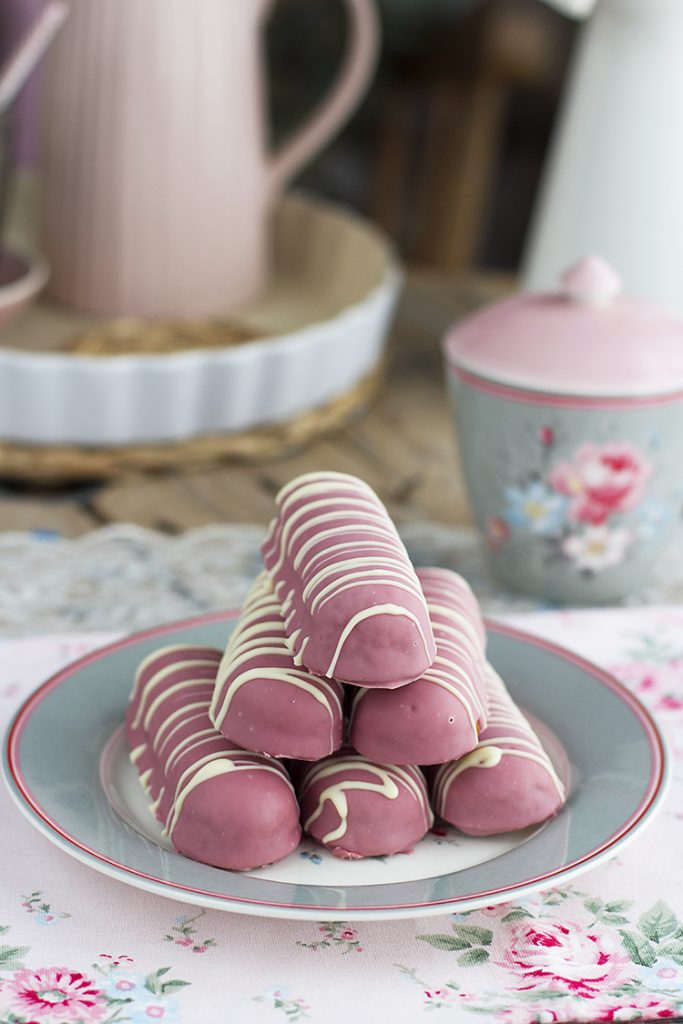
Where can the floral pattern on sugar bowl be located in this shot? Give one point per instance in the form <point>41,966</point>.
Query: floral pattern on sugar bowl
<point>569,413</point>
<point>574,503</point>
<point>589,508</point>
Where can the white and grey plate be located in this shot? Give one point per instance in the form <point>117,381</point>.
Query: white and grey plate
<point>66,765</point>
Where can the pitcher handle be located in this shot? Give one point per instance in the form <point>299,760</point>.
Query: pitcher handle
<point>342,97</point>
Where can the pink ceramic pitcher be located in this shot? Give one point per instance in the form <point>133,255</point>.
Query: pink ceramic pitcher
<point>157,177</point>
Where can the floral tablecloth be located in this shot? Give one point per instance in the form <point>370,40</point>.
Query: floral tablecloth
<point>76,946</point>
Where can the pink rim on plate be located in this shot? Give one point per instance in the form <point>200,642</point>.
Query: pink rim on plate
<point>32,806</point>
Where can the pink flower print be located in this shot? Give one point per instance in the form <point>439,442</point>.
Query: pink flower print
<point>147,997</point>
<point>670,702</point>
<point>664,973</point>
<point>638,1007</point>
<point>437,998</point>
<point>496,911</point>
<point>561,957</point>
<point>601,480</point>
<point>57,994</point>
<point>124,985</point>
<point>546,435</point>
<point>658,684</point>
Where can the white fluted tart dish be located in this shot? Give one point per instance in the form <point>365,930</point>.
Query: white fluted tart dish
<point>316,335</point>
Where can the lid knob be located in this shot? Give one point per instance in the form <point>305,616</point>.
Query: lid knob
<point>591,282</point>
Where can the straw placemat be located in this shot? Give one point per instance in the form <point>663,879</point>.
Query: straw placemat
<point>134,336</point>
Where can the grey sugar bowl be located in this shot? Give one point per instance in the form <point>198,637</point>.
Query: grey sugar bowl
<point>569,416</point>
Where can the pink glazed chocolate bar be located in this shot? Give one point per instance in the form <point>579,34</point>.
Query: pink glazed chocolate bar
<point>220,805</point>
<point>439,716</point>
<point>507,782</point>
<point>358,808</point>
<point>262,700</point>
<point>352,603</point>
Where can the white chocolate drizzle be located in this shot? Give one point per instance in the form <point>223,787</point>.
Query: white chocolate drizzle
<point>336,536</point>
<point>261,634</point>
<point>508,734</point>
<point>200,670</point>
<point>370,613</point>
<point>207,753</point>
<point>459,665</point>
<point>391,778</point>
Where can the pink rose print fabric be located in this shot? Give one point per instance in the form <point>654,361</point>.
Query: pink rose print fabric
<point>79,948</point>
<point>601,480</point>
<point>561,956</point>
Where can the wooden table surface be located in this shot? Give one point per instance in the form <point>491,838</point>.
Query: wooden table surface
<point>404,446</point>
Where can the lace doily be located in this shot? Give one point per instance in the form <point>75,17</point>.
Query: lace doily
<point>127,578</point>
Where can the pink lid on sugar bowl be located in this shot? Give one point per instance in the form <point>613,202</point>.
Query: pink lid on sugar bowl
<point>586,339</point>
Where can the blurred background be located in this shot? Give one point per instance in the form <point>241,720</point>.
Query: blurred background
<point>446,149</point>
<point>443,154</point>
